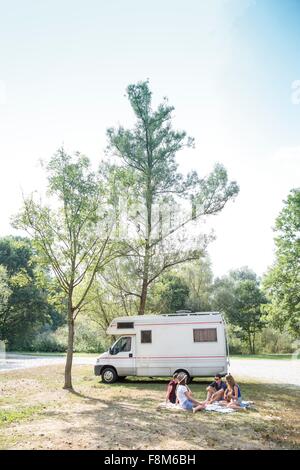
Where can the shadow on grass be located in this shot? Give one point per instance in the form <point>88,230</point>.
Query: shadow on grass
<point>129,423</point>
<point>199,382</point>
<point>85,397</point>
<point>124,415</point>
<point>153,381</point>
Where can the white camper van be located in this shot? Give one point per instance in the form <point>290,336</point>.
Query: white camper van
<point>160,345</point>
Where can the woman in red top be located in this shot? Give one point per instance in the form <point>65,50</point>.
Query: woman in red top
<point>171,390</point>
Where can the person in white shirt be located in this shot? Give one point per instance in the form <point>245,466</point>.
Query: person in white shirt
<point>184,395</point>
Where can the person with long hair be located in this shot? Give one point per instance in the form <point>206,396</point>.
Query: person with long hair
<point>232,394</point>
<point>184,395</point>
<point>171,390</point>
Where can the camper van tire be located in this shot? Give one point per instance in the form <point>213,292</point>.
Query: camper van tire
<point>182,371</point>
<point>109,375</point>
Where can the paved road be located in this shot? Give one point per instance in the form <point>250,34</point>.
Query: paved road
<point>275,371</point>
<point>23,361</point>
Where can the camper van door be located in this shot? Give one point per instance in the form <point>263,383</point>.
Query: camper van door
<point>122,355</point>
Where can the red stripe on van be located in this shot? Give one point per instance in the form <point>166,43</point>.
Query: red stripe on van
<point>165,357</point>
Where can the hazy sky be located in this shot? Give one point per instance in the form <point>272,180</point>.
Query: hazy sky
<point>231,68</point>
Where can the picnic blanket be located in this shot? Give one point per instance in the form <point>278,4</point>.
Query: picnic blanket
<point>213,407</point>
<point>169,406</point>
<point>216,406</point>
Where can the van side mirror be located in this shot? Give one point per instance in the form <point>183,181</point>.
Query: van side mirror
<point>110,351</point>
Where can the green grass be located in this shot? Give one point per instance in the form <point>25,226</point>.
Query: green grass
<point>45,413</point>
<point>9,416</point>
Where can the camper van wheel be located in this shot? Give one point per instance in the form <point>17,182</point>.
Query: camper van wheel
<point>109,375</point>
<point>189,378</point>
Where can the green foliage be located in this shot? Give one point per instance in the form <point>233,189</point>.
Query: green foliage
<point>5,290</point>
<point>267,341</point>
<point>26,309</point>
<point>199,277</point>
<point>72,232</point>
<point>282,282</point>
<point>12,415</point>
<point>152,145</point>
<point>155,192</point>
<point>49,341</point>
<point>240,298</point>
<point>169,294</point>
<point>273,342</point>
<point>16,254</point>
<point>88,338</point>
<point>65,237</point>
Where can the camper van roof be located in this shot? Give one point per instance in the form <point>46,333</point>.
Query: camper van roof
<point>158,318</point>
<point>187,313</point>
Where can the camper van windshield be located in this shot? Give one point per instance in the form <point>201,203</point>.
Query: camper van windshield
<point>122,345</point>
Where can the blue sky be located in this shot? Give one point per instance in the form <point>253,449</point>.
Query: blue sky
<point>226,65</point>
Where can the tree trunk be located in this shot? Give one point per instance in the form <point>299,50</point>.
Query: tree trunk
<point>147,248</point>
<point>145,283</point>
<point>68,366</point>
<point>249,342</point>
<point>251,339</point>
<point>253,343</point>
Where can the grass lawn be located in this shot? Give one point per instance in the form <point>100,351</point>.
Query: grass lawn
<point>36,413</point>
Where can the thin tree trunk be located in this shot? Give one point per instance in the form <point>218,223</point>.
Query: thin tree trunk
<point>147,249</point>
<point>249,342</point>
<point>143,299</point>
<point>145,283</point>
<point>68,367</point>
<point>253,342</point>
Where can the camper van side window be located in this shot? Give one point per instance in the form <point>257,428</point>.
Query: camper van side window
<point>146,336</point>
<point>125,325</point>
<point>205,335</point>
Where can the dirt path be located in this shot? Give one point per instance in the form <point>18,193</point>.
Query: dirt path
<point>14,361</point>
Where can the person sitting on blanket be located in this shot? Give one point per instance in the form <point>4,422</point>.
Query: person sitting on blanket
<point>232,395</point>
<point>215,390</point>
<point>184,395</point>
<point>171,390</point>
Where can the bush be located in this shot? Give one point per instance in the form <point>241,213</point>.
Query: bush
<point>271,341</point>
<point>237,346</point>
<point>88,338</point>
<point>48,342</point>
<point>268,341</point>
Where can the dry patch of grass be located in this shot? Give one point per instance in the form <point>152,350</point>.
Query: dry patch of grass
<point>38,414</point>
